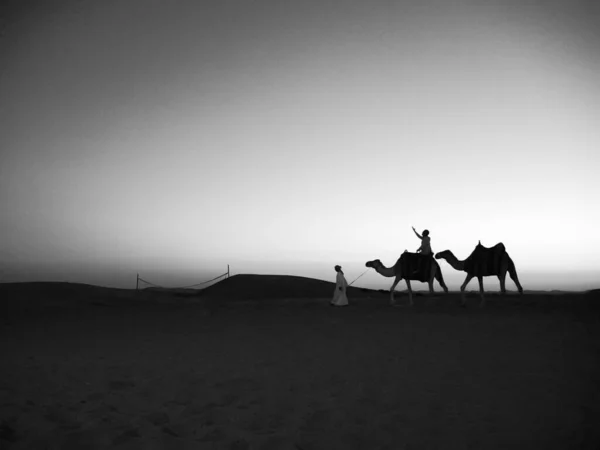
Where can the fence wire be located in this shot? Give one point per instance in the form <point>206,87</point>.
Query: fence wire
<point>181,287</point>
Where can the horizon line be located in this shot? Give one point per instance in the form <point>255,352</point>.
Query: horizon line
<point>279,275</point>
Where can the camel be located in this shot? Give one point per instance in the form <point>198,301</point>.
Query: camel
<point>483,262</point>
<point>404,268</point>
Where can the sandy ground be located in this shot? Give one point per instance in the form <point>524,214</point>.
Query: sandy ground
<point>300,374</point>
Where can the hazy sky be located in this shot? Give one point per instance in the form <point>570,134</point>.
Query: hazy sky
<point>174,138</point>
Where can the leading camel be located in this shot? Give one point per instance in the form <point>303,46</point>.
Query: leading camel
<point>405,268</point>
<point>483,262</point>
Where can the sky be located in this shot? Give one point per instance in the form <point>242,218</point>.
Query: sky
<point>171,139</point>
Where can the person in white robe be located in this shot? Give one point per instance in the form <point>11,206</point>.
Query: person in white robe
<point>339,295</point>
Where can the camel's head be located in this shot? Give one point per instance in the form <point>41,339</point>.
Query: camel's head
<point>442,255</point>
<point>373,264</point>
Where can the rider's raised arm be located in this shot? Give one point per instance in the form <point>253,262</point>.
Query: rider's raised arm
<point>418,235</point>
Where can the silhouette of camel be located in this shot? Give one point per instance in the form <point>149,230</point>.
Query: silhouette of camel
<point>405,268</point>
<point>483,262</point>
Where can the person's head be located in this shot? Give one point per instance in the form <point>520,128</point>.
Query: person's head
<point>338,268</point>
<point>425,232</point>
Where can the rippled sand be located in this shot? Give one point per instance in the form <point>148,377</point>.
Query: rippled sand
<point>300,374</point>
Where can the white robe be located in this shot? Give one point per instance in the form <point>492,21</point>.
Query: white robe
<point>339,295</point>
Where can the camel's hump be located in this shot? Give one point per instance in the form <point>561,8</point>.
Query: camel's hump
<point>485,260</point>
<point>499,246</point>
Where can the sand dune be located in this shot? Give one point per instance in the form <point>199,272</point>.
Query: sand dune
<point>274,367</point>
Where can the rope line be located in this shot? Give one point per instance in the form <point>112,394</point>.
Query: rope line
<point>181,287</point>
<point>359,276</point>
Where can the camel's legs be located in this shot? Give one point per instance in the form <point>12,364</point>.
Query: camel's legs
<point>462,289</point>
<point>410,299</point>
<point>482,303</point>
<point>432,274</point>
<point>502,278</point>
<point>438,276</point>
<point>396,281</point>
<point>430,281</point>
<point>512,271</point>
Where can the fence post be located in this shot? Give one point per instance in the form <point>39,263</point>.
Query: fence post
<point>227,270</point>
<point>137,282</point>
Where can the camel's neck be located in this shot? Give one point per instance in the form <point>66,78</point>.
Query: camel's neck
<point>454,261</point>
<point>385,271</point>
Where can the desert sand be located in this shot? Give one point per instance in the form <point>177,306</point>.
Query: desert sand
<point>263,362</point>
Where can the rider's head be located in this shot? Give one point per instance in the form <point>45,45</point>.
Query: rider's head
<point>425,232</point>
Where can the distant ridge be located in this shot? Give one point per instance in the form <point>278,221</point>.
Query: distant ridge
<point>55,287</point>
<point>257,287</point>
<point>36,296</point>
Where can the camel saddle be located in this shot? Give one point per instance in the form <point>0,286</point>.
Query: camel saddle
<point>416,266</point>
<point>485,261</point>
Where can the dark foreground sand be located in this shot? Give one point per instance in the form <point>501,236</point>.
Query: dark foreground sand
<point>158,371</point>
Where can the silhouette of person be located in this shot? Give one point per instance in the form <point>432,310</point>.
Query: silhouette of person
<point>339,295</point>
<point>424,249</point>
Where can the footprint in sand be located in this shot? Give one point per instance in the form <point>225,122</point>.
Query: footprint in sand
<point>265,424</point>
<point>239,444</point>
<point>119,385</point>
<point>170,431</point>
<point>61,418</point>
<point>317,420</point>
<point>8,432</point>
<point>77,439</point>
<point>231,390</point>
<point>97,396</point>
<point>126,436</point>
<point>158,418</point>
<point>238,384</point>
<point>214,435</point>
<point>279,443</point>
<point>194,409</point>
<point>228,400</point>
